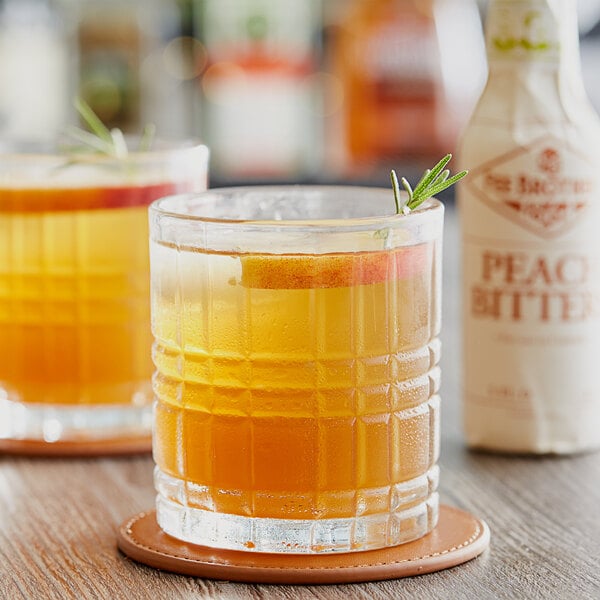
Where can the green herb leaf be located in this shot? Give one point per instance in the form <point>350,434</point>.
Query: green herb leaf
<point>100,139</point>
<point>432,182</point>
<point>432,175</point>
<point>90,140</point>
<point>119,143</point>
<point>92,120</point>
<point>147,137</point>
<point>396,188</point>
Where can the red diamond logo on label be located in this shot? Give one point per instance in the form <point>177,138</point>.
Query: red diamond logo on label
<point>544,187</point>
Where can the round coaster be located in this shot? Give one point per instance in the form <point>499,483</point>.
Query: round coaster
<point>458,537</point>
<point>81,448</point>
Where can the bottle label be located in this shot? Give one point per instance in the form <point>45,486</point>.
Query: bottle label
<point>531,299</point>
<point>284,31</point>
<point>544,187</point>
<point>404,53</point>
<point>523,31</point>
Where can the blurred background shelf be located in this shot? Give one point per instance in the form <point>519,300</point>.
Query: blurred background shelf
<point>307,91</point>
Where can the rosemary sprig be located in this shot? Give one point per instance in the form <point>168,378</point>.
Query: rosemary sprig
<point>93,121</point>
<point>100,138</point>
<point>433,182</point>
<point>147,137</point>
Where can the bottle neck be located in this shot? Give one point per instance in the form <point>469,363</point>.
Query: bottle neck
<point>534,65</point>
<point>533,33</point>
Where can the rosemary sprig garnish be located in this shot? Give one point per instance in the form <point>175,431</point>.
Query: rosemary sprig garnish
<point>433,182</point>
<point>147,137</point>
<point>103,140</point>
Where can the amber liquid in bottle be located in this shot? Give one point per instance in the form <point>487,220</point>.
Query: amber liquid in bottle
<point>387,57</point>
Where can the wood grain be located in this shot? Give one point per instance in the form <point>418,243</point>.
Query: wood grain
<point>58,519</point>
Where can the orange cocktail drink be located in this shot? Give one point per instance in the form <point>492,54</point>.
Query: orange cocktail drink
<point>296,352</point>
<point>74,290</point>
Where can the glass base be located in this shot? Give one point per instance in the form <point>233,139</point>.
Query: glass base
<point>412,519</point>
<point>78,422</point>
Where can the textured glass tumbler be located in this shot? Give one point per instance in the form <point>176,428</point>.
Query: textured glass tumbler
<point>75,338</point>
<point>296,353</point>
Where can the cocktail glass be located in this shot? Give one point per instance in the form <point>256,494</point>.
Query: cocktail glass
<point>75,340</point>
<point>296,352</point>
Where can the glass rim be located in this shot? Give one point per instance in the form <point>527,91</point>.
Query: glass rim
<point>167,148</point>
<point>428,210</point>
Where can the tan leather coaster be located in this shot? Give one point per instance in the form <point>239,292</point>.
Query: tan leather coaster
<point>458,537</point>
<point>107,447</point>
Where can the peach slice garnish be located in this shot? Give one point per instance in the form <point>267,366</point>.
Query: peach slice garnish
<point>308,271</point>
<point>26,200</point>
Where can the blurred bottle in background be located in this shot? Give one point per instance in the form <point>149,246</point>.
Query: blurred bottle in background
<point>410,72</point>
<point>298,90</point>
<point>259,92</point>
<point>131,66</point>
<point>249,77</point>
<point>129,59</point>
<point>36,70</point>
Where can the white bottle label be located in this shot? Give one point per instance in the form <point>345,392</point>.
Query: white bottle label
<point>545,187</point>
<point>531,298</point>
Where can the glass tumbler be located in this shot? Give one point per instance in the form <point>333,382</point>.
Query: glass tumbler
<point>75,340</point>
<point>296,352</point>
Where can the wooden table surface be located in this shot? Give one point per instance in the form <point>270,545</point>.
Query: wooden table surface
<point>58,520</point>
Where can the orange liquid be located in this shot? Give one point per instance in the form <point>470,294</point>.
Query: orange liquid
<point>74,287</point>
<point>295,386</point>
